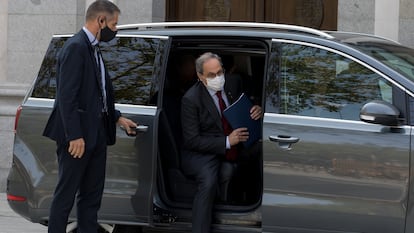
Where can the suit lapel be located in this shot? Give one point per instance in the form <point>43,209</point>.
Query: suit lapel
<point>230,96</point>
<point>208,102</point>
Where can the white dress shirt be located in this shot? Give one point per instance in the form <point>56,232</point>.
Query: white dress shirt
<point>216,102</point>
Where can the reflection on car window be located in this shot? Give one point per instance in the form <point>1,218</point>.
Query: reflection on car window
<point>310,81</point>
<point>397,57</point>
<point>45,86</point>
<point>131,63</point>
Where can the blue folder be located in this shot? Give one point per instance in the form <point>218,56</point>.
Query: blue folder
<point>238,115</point>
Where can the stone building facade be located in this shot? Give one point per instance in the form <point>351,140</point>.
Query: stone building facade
<point>27,26</point>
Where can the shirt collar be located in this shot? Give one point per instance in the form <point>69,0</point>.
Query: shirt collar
<point>211,91</point>
<point>91,36</point>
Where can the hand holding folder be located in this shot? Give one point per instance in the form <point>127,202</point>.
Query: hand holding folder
<point>238,115</point>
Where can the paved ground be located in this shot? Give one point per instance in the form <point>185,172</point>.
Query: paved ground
<point>10,222</point>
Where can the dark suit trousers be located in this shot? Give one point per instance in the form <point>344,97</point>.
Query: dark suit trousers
<point>83,177</point>
<point>209,171</point>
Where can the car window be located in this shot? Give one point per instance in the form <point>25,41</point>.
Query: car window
<point>395,56</point>
<point>132,64</point>
<point>45,85</point>
<point>311,81</point>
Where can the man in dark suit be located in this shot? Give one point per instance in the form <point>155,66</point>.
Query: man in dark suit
<point>83,120</point>
<point>209,144</point>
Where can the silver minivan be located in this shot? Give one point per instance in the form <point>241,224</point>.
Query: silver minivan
<point>336,143</point>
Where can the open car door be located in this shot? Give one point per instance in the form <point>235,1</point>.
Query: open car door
<point>135,66</point>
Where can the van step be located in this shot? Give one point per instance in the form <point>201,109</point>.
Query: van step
<point>163,216</point>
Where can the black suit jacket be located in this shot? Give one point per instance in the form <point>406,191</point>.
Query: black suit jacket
<point>77,112</point>
<point>201,122</point>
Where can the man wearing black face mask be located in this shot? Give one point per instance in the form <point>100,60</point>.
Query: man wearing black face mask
<point>83,121</point>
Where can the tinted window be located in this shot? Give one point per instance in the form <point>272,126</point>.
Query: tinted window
<point>399,58</point>
<point>131,63</point>
<point>310,81</point>
<point>45,85</point>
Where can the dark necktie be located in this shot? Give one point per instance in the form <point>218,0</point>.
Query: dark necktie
<point>231,153</point>
<point>101,77</point>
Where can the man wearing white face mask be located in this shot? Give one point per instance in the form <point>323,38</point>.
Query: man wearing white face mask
<point>209,144</point>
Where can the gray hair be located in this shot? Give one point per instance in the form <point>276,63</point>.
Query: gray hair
<point>203,58</point>
<point>101,6</point>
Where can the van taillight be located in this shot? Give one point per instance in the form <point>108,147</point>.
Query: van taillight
<point>16,119</point>
<point>15,198</point>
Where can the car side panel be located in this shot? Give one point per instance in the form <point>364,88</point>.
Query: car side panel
<point>35,168</point>
<point>340,176</point>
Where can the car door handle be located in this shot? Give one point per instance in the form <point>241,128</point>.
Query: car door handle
<point>142,128</point>
<point>285,142</point>
<point>138,129</point>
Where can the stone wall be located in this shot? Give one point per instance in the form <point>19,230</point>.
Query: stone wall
<point>387,18</point>
<point>392,19</point>
<point>356,16</point>
<point>406,27</point>
<point>3,41</point>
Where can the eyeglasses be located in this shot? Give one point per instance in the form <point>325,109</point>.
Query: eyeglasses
<point>213,75</point>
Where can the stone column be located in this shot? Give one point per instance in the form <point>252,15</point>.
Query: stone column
<point>135,11</point>
<point>392,19</point>
<point>406,23</point>
<point>158,10</point>
<point>387,18</point>
<point>356,16</point>
<point>3,41</point>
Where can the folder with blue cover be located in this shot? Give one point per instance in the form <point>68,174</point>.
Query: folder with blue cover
<point>238,115</point>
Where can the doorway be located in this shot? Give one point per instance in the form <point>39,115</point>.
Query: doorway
<point>318,14</point>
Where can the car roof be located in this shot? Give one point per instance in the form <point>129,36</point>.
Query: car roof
<point>208,25</point>
<point>245,30</point>
<point>205,28</point>
<point>358,38</point>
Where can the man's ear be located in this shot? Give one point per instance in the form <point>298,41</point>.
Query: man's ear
<point>199,76</point>
<point>101,20</point>
<point>201,79</point>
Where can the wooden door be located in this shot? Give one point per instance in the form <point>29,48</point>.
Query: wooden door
<point>320,14</point>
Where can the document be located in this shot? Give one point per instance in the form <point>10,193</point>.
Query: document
<point>238,115</point>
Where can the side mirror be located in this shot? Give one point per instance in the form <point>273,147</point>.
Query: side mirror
<point>380,112</point>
